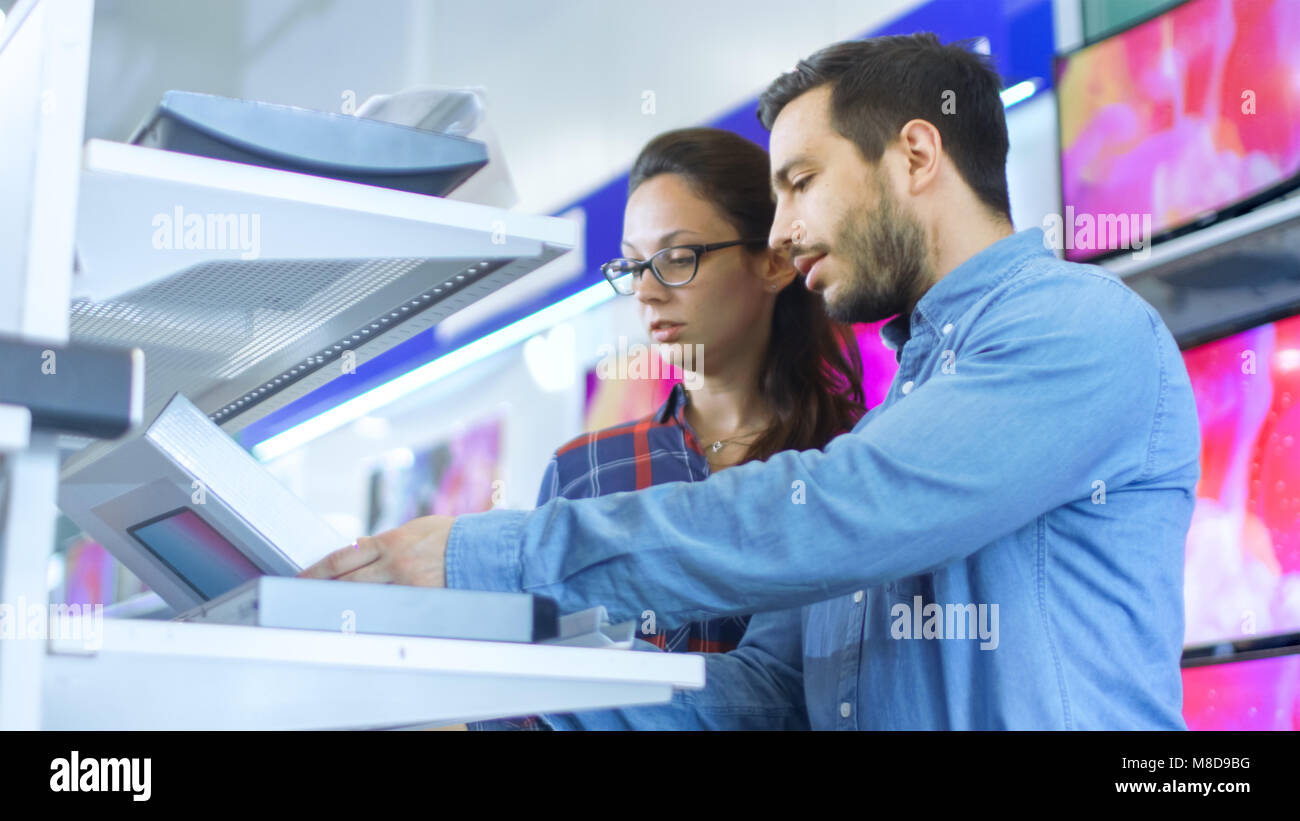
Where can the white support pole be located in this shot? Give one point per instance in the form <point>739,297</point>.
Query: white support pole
<point>44,64</point>
<point>1067,20</point>
<point>27,517</point>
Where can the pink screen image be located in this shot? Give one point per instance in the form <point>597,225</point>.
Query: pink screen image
<point>1243,549</point>
<point>879,364</point>
<point>1189,112</point>
<point>1260,694</point>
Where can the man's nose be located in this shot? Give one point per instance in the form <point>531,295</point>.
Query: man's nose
<point>783,229</point>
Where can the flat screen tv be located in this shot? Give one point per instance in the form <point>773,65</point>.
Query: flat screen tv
<point>1242,576</point>
<point>1243,694</point>
<point>1177,122</point>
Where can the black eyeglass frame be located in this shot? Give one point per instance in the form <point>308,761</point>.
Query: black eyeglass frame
<point>637,266</point>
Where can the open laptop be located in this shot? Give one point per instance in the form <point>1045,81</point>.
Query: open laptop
<point>192,513</point>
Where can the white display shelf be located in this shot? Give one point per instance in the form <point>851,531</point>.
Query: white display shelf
<point>125,188</point>
<point>337,265</point>
<point>288,273</point>
<point>151,675</point>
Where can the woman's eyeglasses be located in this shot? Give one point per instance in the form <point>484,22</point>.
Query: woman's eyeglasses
<point>674,267</point>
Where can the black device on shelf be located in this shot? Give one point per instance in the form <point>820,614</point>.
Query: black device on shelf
<point>337,146</point>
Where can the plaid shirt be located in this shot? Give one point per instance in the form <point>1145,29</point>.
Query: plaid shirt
<point>654,450</point>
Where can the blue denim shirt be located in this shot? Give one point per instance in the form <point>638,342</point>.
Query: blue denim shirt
<point>1037,452</point>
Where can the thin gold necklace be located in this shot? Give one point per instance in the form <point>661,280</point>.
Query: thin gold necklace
<point>721,443</point>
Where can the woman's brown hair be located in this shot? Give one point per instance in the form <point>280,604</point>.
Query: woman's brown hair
<point>812,371</point>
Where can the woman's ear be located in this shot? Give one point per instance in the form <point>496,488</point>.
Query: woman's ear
<point>780,271</point>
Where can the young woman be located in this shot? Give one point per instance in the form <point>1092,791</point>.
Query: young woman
<point>771,372</point>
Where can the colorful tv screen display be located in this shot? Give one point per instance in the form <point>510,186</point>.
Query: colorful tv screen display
<point>1259,694</point>
<point>1243,550</point>
<point>1179,119</point>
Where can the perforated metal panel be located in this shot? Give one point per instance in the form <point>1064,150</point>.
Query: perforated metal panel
<point>218,319</point>
<point>240,339</point>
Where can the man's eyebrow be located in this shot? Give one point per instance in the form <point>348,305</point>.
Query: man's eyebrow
<point>664,240</point>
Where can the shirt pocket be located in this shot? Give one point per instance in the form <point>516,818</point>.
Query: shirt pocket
<point>905,591</point>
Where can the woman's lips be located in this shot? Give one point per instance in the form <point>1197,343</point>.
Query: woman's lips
<point>666,333</point>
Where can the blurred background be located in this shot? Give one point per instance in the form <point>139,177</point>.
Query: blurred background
<point>573,90</point>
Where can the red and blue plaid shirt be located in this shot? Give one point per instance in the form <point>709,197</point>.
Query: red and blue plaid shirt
<point>653,450</point>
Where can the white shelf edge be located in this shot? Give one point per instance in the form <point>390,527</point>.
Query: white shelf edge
<point>410,654</point>
<point>106,156</point>
<point>1165,253</point>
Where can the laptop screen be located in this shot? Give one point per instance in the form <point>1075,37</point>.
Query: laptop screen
<point>199,555</point>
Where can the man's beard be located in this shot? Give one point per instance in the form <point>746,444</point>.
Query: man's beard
<point>886,256</point>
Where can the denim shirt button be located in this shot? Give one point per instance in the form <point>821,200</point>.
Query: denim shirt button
<point>857,597</point>
<point>845,709</point>
<point>947,329</point>
<point>907,387</point>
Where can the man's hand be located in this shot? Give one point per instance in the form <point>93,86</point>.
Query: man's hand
<point>411,554</point>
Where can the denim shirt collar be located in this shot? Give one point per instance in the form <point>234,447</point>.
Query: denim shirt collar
<point>964,285</point>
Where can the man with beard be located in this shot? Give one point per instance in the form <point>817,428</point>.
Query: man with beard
<point>1033,465</point>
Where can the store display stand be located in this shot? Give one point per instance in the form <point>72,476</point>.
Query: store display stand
<point>144,674</point>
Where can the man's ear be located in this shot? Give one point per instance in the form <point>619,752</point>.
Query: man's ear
<point>922,146</point>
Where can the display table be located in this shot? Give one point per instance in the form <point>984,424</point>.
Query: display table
<point>152,675</point>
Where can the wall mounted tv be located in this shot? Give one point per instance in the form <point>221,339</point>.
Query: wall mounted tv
<point>1187,118</point>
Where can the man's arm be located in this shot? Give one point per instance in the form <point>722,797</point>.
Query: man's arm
<point>757,686</point>
<point>1037,409</point>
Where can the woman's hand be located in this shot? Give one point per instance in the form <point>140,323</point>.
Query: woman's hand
<point>412,554</point>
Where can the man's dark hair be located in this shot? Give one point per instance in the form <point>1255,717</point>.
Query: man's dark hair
<point>879,84</point>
